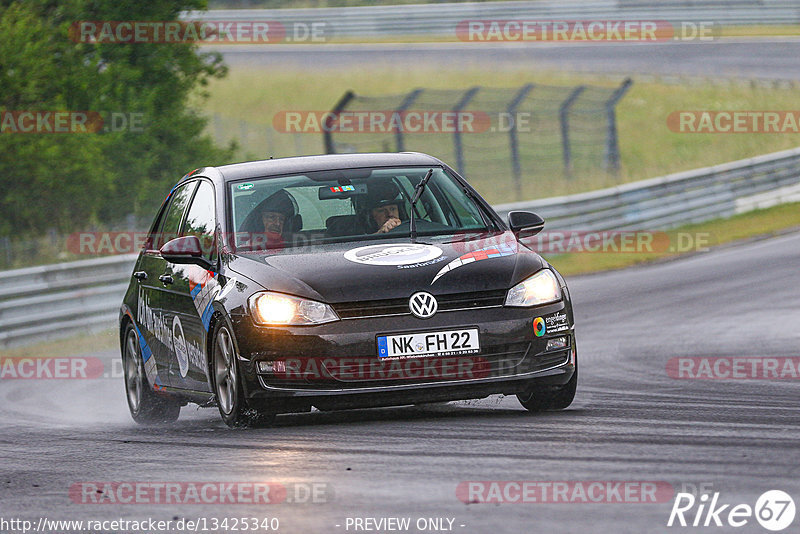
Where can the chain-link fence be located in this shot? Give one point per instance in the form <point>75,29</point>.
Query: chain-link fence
<point>512,140</point>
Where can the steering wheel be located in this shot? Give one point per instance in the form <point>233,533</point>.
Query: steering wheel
<point>404,227</point>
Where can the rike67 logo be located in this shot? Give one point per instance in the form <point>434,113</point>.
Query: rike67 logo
<point>774,510</point>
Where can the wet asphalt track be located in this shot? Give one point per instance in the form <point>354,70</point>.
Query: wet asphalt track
<point>630,421</point>
<point>773,58</point>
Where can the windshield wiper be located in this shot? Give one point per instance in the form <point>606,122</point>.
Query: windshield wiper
<point>418,190</point>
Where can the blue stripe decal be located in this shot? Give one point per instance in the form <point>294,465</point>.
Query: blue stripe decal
<point>206,318</point>
<point>146,352</point>
<point>197,289</point>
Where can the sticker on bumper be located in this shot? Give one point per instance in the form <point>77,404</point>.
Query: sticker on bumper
<point>550,324</point>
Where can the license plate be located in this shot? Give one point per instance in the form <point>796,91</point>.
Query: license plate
<point>444,343</point>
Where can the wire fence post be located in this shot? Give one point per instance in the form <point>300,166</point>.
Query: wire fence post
<point>404,105</point>
<point>298,144</point>
<point>218,134</point>
<point>243,132</point>
<point>458,148</point>
<point>7,247</point>
<point>563,119</point>
<point>513,140</point>
<point>270,144</point>
<point>327,126</point>
<point>611,153</point>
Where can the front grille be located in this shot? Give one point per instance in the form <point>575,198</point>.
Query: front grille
<point>499,360</point>
<point>455,301</point>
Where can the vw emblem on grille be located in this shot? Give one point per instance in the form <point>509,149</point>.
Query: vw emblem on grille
<point>423,305</point>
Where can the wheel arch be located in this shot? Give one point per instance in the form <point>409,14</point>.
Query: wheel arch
<point>125,319</point>
<point>220,314</point>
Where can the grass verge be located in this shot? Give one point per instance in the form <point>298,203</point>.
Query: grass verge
<point>74,345</point>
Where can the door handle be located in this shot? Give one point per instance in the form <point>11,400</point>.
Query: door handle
<point>166,279</point>
<point>140,275</point>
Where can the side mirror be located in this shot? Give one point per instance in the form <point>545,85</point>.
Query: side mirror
<point>524,223</point>
<point>185,250</point>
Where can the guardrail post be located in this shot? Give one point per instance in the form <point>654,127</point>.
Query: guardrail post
<point>404,105</point>
<point>563,119</point>
<point>611,154</point>
<point>327,133</point>
<point>458,148</point>
<point>513,141</point>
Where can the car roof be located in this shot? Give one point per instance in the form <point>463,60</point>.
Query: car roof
<point>272,167</point>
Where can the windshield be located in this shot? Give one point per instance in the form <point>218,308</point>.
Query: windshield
<point>348,205</point>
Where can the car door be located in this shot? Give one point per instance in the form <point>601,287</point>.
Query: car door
<point>193,289</point>
<point>157,296</point>
<point>144,315</point>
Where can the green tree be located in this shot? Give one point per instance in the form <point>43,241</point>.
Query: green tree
<point>68,181</point>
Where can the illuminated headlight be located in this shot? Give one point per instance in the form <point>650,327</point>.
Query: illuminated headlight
<point>279,309</point>
<point>541,288</point>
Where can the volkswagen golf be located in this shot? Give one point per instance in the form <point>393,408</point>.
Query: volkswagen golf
<point>335,282</point>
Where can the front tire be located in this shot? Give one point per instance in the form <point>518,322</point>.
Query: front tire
<point>550,399</point>
<point>233,406</point>
<point>146,406</point>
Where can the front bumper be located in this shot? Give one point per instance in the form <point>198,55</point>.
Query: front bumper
<point>336,364</point>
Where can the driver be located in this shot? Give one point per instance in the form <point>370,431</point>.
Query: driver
<point>382,208</point>
<point>273,216</point>
<point>386,216</point>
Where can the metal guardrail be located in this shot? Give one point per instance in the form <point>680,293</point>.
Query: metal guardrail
<point>681,198</point>
<point>52,301</point>
<point>442,19</point>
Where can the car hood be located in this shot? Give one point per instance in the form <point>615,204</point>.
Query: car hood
<point>388,269</point>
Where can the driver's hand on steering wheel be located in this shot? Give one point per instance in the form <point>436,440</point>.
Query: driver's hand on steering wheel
<point>388,225</point>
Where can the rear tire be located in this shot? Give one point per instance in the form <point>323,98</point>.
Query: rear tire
<point>145,405</point>
<point>550,399</point>
<point>233,406</point>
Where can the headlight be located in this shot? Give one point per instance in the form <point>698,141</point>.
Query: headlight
<point>541,288</point>
<point>278,309</point>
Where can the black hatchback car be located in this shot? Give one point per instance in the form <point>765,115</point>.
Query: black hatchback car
<point>340,281</point>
